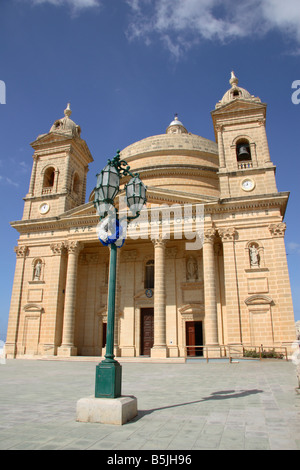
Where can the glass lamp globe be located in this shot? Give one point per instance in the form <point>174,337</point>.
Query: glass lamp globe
<point>136,194</point>
<point>107,188</point>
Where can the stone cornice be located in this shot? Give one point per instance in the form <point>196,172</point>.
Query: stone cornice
<point>39,225</point>
<point>72,220</point>
<point>264,201</point>
<point>242,171</point>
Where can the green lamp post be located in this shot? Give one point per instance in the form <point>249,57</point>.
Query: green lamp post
<point>109,371</point>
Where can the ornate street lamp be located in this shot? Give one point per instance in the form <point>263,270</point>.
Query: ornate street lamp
<point>109,371</point>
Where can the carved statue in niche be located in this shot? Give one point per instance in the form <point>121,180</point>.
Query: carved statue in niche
<point>254,256</point>
<point>191,269</point>
<point>37,271</point>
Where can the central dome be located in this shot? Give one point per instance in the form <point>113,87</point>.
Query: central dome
<point>177,162</point>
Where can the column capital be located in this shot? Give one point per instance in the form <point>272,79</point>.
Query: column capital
<point>261,121</point>
<point>209,235</point>
<point>21,251</point>
<point>58,248</point>
<point>277,230</point>
<point>159,242</point>
<point>227,234</point>
<point>74,247</point>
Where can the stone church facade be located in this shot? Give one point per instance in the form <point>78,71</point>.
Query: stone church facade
<point>231,290</point>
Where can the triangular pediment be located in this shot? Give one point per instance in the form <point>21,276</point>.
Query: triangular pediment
<point>157,196</point>
<point>53,139</point>
<point>50,138</point>
<point>84,210</point>
<point>239,105</point>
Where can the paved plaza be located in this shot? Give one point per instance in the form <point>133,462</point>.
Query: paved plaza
<point>246,405</point>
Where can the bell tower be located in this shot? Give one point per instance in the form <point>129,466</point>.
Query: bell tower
<point>245,167</point>
<point>60,166</point>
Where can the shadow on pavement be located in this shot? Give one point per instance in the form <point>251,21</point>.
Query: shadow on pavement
<point>221,395</point>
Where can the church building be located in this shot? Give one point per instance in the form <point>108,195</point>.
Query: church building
<point>174,298</point>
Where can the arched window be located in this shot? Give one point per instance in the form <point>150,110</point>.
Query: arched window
<point>235,93</point>
<point>149,274</point>
<point>48,181</point>
<point>243,154</point>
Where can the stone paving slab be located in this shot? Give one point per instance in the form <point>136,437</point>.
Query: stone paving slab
<point>248,405</point>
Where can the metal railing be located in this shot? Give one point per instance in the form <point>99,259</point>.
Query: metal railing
<point>231,352</point>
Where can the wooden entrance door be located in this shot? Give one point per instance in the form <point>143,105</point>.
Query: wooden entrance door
<point>194,337</point>
<point>147,330</point>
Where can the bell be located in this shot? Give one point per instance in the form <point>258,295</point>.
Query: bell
<point>243,153</point>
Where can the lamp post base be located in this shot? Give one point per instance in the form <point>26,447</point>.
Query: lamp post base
<point>106,411</point>
<point>108,379</point>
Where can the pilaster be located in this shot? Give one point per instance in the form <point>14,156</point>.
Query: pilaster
<point>51,330</point>
<point>284,295</point>
<point>15,307</point>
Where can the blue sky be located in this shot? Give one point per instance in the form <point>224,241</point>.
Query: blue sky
<point>127,66</point>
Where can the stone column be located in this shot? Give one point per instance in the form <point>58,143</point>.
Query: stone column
<point>67,347</point>
<point>159,348</point>
<point>210,298</point>
<point>15,306</point>
<point>228,235</point>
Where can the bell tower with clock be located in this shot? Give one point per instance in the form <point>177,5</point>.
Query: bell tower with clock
<point>60,166</point>
<point>245,167</point>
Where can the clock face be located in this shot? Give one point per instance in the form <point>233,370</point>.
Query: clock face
<point>248,184</point>
<point>44,208</point>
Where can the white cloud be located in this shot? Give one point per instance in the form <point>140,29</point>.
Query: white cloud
<point>75,5</point>
<point>182,23</point>
<point>283,15</point>
<point>5,179</point>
